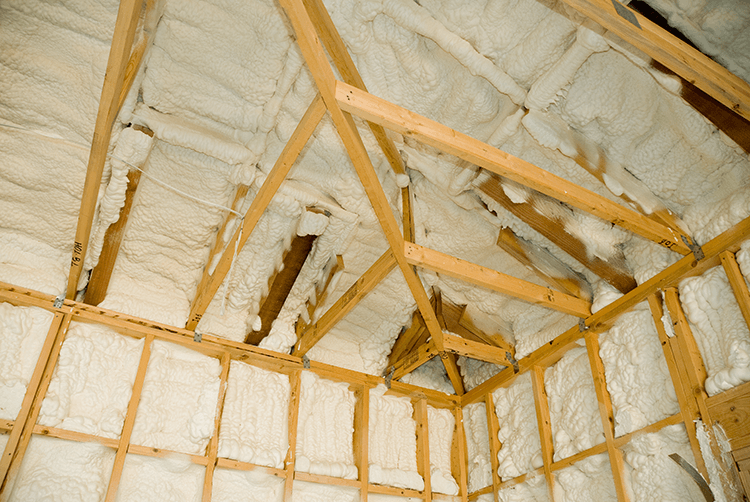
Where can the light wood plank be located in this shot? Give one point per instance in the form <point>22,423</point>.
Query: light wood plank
<point>451,368</point>
<point>607,415</point>
<point>117,64</point>
<point>493,428</point>
<point>614,270</point>
<point>459,455</point>
<point>733,414</point>
<point>414,359</point>
<point>423,445</point>
<point>544,425</point>
<point>356,292</point>
<point>688,405</point>
<point>673,53</point>
<point>325,480</point>
<point>236,465</point>
<point>210,282</point>
<point>213,445</point>
<point>476,350</point>
<point>737,281</point>
<point>361,439</point>
<point>494,280</point>
<point>80,437</point>
<point>127,428</point>
<point>33,395</point>
<point>295,393</point>
<point>402,121</point>
<point>545,265</point>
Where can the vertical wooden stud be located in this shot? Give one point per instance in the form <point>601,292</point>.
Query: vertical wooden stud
<point>493,427</point>
<point>213,445</point>
<point>294,399</point>
<point>459,456</point>
<point>544,424</point>
<point>423,445</point>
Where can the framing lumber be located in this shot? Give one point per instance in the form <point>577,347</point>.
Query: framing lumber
<point>356,292</point>
<point>545,265</point>
<point>731,409</point>
<point>117,65</point>
<point>458,321</point>
<point>98,284</point>
<point>423,446</point>
<point>451,367</point>
<point>614,271</point>
<point>361,439</point>
<point>688,405</point>
<point>681,58</point>
<point>295,391</point>
<point>476,350</point>
<point>32,396</point>
<point>402,121</point>
<point>322,73</point>
<point>213,445</point>
<point>127,428</point>
<point>544,424</point>
<point>281,285</point>
<point>210,282</point>
<point>459,455</point>
<point>494,280</point>
<point>738,283</point>
<point>408,339</point>
<point>414,359</point>
<point>607,415</point>
<point>320,295</point>
<point>336,48</point>
<point>493,428</point>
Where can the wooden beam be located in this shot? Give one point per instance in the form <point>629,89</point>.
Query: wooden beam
<point>476,350</point>
<point>493,428</point>
<point>607,416</point>
<point>405,343</point>
<point>119,53</point>
<point>544,424</point>
<point>210,282</point>
<point>98,284</point>
<point>545,265</point>
<point>213,446</point>
<point>414,359</point>
<point>688,405</point>
<point>737,281</point>
<point>336,48</point>
<point>459,322</point>
<point>281,285</point>
<point>459,455</point>
<point>356,292</point>
<point>423,446</point>
<point>432,133</point>
<point>127,428</point>
<point>451,368</point>
<point>731,409</point>
<point>667,49</point>
<point>321,294</point>
<point>295,391</point>
<point>32,399</point>
<point>614,271</point>
<point>361,439</point>
<point>494,280</point>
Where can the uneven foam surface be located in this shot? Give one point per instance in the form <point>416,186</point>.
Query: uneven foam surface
<point>441,423</point>
<point>589,480</point>
<point>22,334</point>
<point>313,492</point>
<point>250,486</point>
<point>477,446</point>
<point>148,478</point>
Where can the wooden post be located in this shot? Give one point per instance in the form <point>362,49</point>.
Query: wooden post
<point>291,456</point>
<point>127,428</point>
<point>119,55</point>
<point>737,281</point>
<point>361,438</point>
<point>607,415</point>
<point>423,445</point>
<point>544,424</point>
<point>459,455</point>
<point>213,445</point>
<point>493,428</point>
<point>24,423</point>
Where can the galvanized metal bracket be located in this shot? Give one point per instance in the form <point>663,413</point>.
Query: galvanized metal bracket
<point>512,361</point>
<point>389,376</point>
<point>59,301</point>
<point>582,325</point>
<point>694,247</point>
<point>306,362</point>
<point>198,337</point>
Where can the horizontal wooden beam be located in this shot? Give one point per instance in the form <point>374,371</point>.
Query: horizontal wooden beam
<point>681,58</point>
<point>444,138</point>
<point>414,360</point>
<point>475,350</point>
<point>356,292</point>
<point>494,280</point>
<point>210,282</point>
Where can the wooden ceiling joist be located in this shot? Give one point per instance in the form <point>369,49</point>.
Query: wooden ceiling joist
<point>444,138</point>
<point>614,271</point>
<point>681,58</point>
<point>356,292</point>
<point>210,282</point>
<point>317,63</point>
<point>281,285</point>
<point>545,265</point>
<point>458,321</point>
<point>494,280</point>
<point>109,106</point>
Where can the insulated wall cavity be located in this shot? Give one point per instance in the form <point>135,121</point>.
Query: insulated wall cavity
<point>719,329</point>
<point>441,424</point>
<point>531,490</point>
<point>178,402</point>
<point>22,334</point>
<point>313,492</point>
<point>589,480</point>
<point>152,479</point>
<point>477,446</point>
<point>392,446</point>
<point>325,428</point>
<point>573,405</point>
<point>636,372</point>
<point>254,422</point>
<point>521,450</point>
<point>248,486</point>
<point>93,381</point>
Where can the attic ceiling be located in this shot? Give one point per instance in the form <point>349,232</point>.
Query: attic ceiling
<point>435,232</point>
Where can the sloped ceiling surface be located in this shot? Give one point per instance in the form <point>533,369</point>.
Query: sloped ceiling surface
<point>223,85</point>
